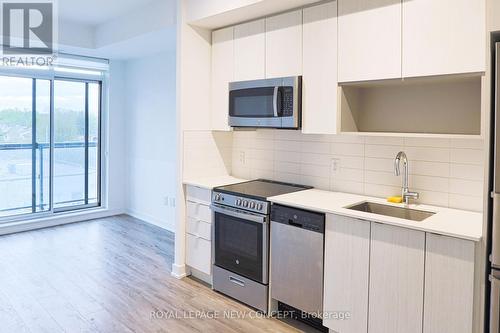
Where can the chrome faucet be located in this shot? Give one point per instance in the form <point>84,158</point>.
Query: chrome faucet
<point>405,191</point>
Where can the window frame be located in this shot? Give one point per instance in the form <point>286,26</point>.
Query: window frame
<point>102,146</point>
<point>99,148</point>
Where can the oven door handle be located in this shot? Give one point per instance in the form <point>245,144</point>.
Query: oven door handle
<point>238,214</point>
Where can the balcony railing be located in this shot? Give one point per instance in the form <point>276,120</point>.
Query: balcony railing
<point>25,176</point>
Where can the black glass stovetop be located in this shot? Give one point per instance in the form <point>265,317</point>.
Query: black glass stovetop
<point>261,188</point>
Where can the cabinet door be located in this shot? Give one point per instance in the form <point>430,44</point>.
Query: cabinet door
<point>284,44</point>
<point>319,84</point>
<point>199,253</point>
<point>443,37</point>
<point>347,251</point>
<point>449,285</point>
<point>396,280</point>
<point>369,40</point>
<point>222,74</point>
<point>250,51</point>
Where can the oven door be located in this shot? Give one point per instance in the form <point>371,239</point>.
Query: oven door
<point>241,242</point>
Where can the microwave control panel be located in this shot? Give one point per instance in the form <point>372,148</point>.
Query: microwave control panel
<point>287,101</point>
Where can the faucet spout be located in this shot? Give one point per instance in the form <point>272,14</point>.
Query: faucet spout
<point>405,191</point>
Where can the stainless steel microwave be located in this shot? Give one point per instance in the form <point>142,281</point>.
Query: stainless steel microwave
<point>274,103</point>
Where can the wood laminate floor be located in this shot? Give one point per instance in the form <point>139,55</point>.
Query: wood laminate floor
<point>109,275</point>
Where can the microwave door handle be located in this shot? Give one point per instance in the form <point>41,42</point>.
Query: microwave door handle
<point>275,101</point>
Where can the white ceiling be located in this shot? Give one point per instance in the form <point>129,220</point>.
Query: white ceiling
<point>95,12</point>
<point>137,47</point>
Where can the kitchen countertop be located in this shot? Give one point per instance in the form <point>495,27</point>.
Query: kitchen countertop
<point>450,222</point>
<point>213,181</point>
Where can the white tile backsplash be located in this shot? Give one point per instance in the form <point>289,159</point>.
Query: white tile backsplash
<point>445,172</point>
<point>467,156</point>
<point>207,153</point>
<point>347,149</point>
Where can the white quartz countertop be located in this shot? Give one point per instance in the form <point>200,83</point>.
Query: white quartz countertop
<point>446,221</point>
<point>213,181</point>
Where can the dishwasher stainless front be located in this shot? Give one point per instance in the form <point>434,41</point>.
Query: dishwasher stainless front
<point>297,244</point>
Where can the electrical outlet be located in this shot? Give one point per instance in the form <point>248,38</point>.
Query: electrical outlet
<point>335,166</point>
<point>242,157</point>
<point>172,202</point>
<point>166,201</point>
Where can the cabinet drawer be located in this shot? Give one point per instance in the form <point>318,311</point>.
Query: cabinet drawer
<point>199,253</point>
<point>199,211</point>
<point>199,228</point>
<point>198,194</point>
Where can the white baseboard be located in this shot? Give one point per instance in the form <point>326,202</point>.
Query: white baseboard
<point>150,219</point>
<point>79,216</point>
<point>179,271</point>
<point>201,276</point>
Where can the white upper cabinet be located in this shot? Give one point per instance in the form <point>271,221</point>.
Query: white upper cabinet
<point>222,74</point>
<point>284,44</point>
<point>443,37</point>
<point>250,51</point>
<point>369,40</point>
<point>396,292</point>
<point>449,285</point>
<point>319,83</point>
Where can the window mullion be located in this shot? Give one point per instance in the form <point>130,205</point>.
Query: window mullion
<point>33,146</point>
<point>86,143</point>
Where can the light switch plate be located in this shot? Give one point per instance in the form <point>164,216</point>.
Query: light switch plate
<point>242,158</point>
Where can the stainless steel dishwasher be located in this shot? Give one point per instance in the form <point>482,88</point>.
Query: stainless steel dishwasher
<point>297,243</point>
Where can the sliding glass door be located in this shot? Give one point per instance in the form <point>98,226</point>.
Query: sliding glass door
<point>24,145</point>
<point>50,131</point>
<point>76,143</point>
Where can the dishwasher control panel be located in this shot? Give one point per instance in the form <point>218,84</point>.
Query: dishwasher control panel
<point>298,218</point>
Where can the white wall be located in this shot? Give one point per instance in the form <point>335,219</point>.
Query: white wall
<point>153,16</point>
<point>116,136</point>
<point>75,34</point>
<point>150,139</point>
<point>445,172</point>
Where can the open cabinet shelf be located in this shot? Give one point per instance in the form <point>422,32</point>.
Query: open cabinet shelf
<point>440,107</point>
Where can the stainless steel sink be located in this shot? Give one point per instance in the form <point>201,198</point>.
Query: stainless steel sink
<point>399,212</point>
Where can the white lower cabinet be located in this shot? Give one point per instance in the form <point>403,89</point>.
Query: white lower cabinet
<point>347,255</point>
<point>392,279</point>
<point>396,280</point>
<point>198,253</point>
<point>449,285</point>
<point>199,229</point>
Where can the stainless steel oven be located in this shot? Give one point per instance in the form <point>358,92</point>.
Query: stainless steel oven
<point>274,103</point>
<point>241,256</point>
<point>241,241</point>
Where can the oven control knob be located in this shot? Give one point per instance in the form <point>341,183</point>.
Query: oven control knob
<point>217,197</point>
<point>245,203</point>
<point>238,202</point>
<point>259,206</point>
<point>252,204</point>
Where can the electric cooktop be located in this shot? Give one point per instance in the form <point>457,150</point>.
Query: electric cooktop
<point>260,189</point>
